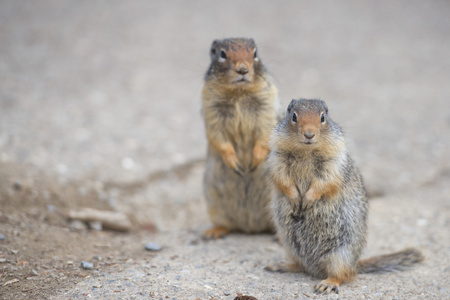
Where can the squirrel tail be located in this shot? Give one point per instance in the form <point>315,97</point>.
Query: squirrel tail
<point>397,261</point>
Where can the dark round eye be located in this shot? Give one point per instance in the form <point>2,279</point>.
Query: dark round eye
<point>294,118</point>
<point>223,54</point>
<point>322,118</point>
<point>255,54</point>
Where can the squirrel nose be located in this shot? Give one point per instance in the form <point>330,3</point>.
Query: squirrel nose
<point>242,69</point>
<point>309,135</point>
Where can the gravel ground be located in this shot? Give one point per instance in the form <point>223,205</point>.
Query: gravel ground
<point>100,107</point>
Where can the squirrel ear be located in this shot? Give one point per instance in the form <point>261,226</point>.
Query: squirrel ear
<point>290,106</point>
<point>325,106</point>
<point>214,48</point>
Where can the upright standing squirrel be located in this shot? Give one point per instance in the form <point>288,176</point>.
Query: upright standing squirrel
<point>319,203</point>
<point>240,107</point>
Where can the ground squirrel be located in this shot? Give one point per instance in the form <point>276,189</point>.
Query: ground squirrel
<point>240,107</point>
<point>319,203</point>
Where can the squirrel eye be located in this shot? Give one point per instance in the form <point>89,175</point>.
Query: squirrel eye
<point>322,118</point>
<point>223,54</point>
<point>255,53</point>
<point>294,118</point>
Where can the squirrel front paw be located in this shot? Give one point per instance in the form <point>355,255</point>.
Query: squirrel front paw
<point>310,197</point>
<point>292,193</point>
<point>259,154</point>
<point>230,159</point>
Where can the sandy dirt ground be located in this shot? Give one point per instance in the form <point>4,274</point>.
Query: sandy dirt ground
<point>100,108</point>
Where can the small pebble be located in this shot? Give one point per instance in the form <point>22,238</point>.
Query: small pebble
<point>87,265</point>
<point>11,281</point>
<point>77,225</point>
<point>227,293</point>
<point>17,186</point>
<point>34,272</point>
<point>2,260</point>
<point>14,251</point>
<point>51,208</point>
<point>96,225</point>
<point>2,237</point>
<point>152,247</point>
<point>69,262</point>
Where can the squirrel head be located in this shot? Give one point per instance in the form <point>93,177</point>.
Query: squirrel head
<point>235,61</point>
<point>308,119</point>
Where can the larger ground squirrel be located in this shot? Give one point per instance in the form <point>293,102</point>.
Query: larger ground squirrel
<point>240,107</point>
<point>319,203</point>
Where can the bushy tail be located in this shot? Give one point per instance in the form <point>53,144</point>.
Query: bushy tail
<point>391,262</point>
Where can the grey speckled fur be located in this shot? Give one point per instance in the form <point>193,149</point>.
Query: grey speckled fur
<point>331,229</point>
<point>240,118</point>
<point>243,201</point>
<point>324,225</point>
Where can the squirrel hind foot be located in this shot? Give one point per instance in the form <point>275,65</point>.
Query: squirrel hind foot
<point>215,233</point>
<point>293,267</point>
<point>327,286</point>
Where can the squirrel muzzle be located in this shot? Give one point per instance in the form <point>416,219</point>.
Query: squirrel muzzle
<point>309,134</point>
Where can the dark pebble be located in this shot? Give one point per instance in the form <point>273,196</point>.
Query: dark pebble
<point>152,247</point>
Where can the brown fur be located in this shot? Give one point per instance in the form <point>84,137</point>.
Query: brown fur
<point>319,204</point>
<point>240,108</point>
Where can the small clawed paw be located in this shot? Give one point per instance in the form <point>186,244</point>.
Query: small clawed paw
<point>305,204</point>
<point>239,170</point>
<point>309,199</point>
<point>325,288</point>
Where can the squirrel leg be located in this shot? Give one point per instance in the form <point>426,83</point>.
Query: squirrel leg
<point>339,270</point>
<point>228,154</point>
<point>259,154</point>
<point>215,233</point>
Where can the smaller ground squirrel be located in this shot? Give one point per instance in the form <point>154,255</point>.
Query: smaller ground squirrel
<point>319,203</point>
<point>240,108</point>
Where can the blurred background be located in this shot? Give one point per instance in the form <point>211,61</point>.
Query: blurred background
<point>105,95</point>
<point>100,107</point>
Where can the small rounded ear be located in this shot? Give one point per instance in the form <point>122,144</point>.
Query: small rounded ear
<point>325,106</point>
<point>290,106</point>
<point>213,50</point>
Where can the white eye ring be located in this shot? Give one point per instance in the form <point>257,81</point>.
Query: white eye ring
<point>322,118</point>
<point>222,56</point>
<point>255,55</point>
